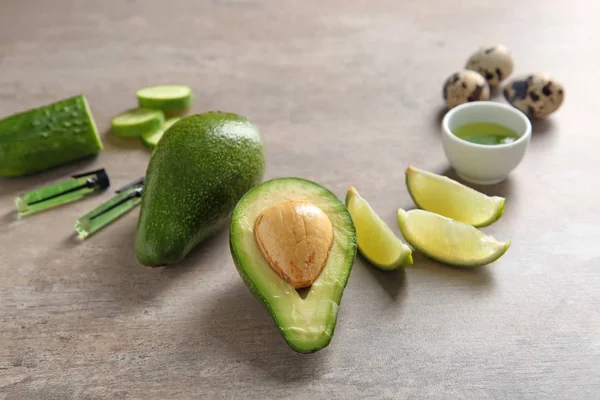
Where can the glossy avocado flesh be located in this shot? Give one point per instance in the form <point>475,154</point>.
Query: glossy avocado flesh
<point>307,324</point>
<point>198,172</point>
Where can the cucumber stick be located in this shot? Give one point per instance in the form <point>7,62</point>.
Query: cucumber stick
<point>137,122</point>
<point>47,136</point>
<point>151,139</point>
<point>165,98</point>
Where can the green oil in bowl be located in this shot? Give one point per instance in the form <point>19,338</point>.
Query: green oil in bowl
<point>486,133</point>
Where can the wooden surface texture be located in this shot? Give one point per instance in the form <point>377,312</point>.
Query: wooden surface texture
<point>344,93</point>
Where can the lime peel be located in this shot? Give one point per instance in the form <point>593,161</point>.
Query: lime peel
<point>376,241</point>
<point>448,241</point>
<point>447,197</point>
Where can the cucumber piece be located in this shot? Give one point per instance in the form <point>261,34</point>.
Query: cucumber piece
<point>165,98</point>
<point>151,139</point>
<point>137,122</point>
<point>48,136</point>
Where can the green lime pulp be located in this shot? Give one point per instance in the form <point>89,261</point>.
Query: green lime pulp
<point>486,133</point>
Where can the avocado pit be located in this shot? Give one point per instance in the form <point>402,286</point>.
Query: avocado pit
<point>295,238</point>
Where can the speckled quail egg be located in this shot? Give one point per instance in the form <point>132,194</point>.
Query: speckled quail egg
<point>494,63</point>
<point>537,95</point>
<point>465,86</point>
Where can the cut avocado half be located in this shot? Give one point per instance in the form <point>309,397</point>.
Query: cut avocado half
<point>310,221</point>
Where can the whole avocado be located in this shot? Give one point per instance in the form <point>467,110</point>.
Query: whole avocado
<point>200,169</point>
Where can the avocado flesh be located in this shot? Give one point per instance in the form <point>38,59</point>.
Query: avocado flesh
<point>306,324</point>
<point>197,173</point>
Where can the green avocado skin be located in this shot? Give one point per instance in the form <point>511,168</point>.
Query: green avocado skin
<point>199,170</point>
<point>48,136</point>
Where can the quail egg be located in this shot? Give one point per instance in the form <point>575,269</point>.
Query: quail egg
<point>537,95</point>
<point>494,63</point>
<point>465,86</point>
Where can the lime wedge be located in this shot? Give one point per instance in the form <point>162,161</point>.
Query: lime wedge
<point>442,195</point>
<point>165,97</point>
<point>376,241</point>
<point>137,122</point>
<point>449,241</point>
<point>151,139</point>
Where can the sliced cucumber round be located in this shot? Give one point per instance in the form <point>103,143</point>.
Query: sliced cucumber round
<point>151,139</point>
<point>137,122</point>
<point>166,97</point>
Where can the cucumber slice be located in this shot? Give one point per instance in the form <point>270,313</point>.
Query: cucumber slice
<point>137,122</point>
<point>166,97</point>
<point>151,139</point>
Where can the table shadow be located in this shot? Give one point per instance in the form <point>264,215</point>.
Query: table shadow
<point>121,143</point>
<point>543,132</point>
<point>393,282</point>
<point>479,277</point>
<point>437,118</point>
<point>10,217</point>
<point>541,127</point>
<point>496,92</point>
<point>503,189</point>
<point>15,185</point>
<point>254,337</point>
<point>121,279</point>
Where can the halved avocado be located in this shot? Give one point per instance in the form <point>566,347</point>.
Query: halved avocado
<point>306,322</point>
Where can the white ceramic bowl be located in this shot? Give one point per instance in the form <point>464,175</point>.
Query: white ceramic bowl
<point>478,163</point>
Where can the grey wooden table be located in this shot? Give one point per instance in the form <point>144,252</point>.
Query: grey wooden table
<point>345,93</point>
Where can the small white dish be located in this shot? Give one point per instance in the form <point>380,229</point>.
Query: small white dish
<point>478,163</point>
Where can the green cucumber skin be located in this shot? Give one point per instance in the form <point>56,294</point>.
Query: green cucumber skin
<point>139,129</point>
<point>172,105</point>
<point>47,137</point>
